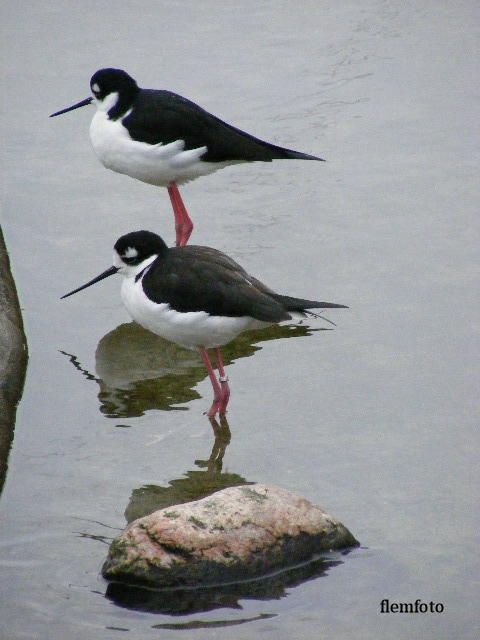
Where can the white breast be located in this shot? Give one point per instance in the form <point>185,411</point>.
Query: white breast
<point>191,330</point>
<point>157,164</point>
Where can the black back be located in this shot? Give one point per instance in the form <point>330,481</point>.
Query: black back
<point>163,116</point>
<point>194,278</point>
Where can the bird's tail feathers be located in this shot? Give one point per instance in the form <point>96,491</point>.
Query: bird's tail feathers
<point>301,305</point>
<point>291,154</point>
<point>274,152</point>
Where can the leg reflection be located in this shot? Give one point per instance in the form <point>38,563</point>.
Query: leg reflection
<point>221,431</point>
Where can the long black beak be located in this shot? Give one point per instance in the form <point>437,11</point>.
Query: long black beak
<point>105,274</point>
<point>83,103</point>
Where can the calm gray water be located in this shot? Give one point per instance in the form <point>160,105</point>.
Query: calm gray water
<point>374,419</point>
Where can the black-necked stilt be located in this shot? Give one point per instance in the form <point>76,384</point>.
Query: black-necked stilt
<point>197,297</point>
<point>166,140</point>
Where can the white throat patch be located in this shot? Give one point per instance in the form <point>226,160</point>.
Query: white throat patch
<point>108,102</point>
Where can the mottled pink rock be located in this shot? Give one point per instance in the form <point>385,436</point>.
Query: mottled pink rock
<point>235,534</point>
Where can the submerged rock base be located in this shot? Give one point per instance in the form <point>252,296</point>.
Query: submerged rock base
<point>235,534</point>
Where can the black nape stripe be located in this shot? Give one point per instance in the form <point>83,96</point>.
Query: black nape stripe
<point>141,273</point>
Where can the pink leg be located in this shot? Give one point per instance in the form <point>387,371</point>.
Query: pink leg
<point>223,383</point>
<point>217,389</point>
<point>183,224</point>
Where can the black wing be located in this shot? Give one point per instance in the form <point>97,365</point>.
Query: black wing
<point>193,278</point>
<point>164,116</point>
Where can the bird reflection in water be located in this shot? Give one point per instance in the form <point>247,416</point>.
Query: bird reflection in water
<point>193,485</point>
<point>137,371</point>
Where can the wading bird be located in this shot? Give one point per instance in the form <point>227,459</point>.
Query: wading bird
<point>161,138</point>
<point>197,297</point>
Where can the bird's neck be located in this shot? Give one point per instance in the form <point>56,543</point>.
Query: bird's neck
<point>140,270</point>
<point>115,105</point>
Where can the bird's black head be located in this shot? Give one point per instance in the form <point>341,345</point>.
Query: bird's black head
<point>106,81</point>
<point>130,251</point>
<point>135,247</point>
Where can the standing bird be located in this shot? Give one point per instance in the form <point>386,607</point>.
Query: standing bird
<point>161,138</point>
<point>197,297</point>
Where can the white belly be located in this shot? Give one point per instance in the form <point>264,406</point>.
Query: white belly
<point>191,330</point>
<point>157,164</point>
